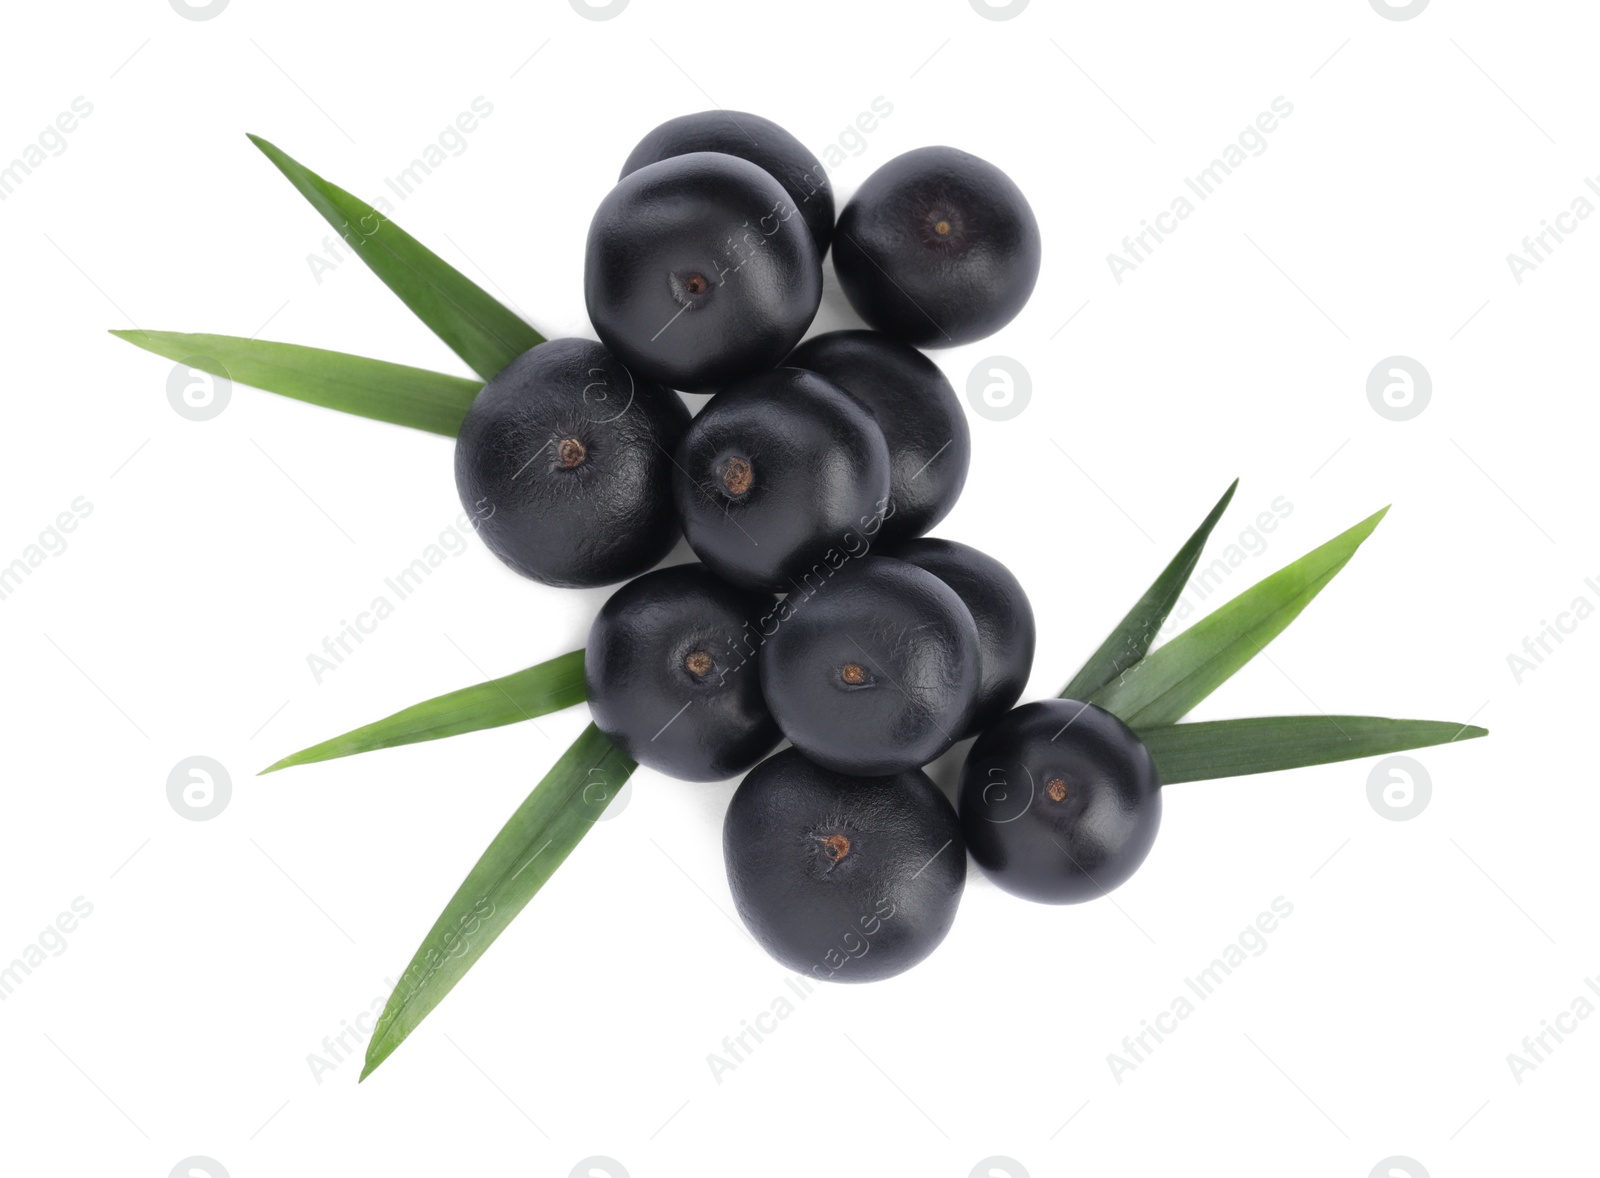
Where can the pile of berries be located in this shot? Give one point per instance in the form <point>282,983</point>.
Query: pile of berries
<point>818,611</point>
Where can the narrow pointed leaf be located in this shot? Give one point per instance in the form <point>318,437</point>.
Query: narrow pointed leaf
<point>1233,748</point>
<point>478,328</point>
<point>1163,686</point>
<point>1131,640</point>
<point>415,397</point>
<point>537,839</point>
<point>539,690</point>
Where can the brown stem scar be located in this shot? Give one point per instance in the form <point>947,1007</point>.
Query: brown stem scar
<point>738,476</point>
<point>570,453</point>
<point>835,846</point>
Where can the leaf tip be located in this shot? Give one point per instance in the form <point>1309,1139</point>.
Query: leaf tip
<point>371,1062</point>
<point>1367,526</point>
<point>134,336</point>
<point>269,149</point>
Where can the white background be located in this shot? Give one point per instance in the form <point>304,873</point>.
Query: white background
<point>177,622</point>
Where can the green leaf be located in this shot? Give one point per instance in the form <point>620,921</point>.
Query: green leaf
<point>1131,640</point>
<point>1233,748</point>
<point>1163,686</point>
<point>477,327</point>
<point>336,380</point>
<point>538,838</point>
<point>548,687</point>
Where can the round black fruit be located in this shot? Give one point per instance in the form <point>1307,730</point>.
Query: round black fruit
<point>670,677</point>
<point>753,138</point>
<point>922,421</point>
<point>937,247</point>
<point>780,478</point>
<point>847,879</point>
<point>1059,802</point>
<point>564,464</point>
<point>874,671</point>
<point>698,271</point>
<point>1000,608</point>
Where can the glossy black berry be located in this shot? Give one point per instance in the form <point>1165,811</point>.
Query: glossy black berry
<point>922,421</point>
<point>780,478</point>
<point>874,670</point>
<point>753,138</point>
<point>1001,611</point>
<point>846,879</point>
<point>699,271</point>
<point>564,463</point>
<point>670,671</point>
<point>937,247</point>
<point>1059,802</point>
